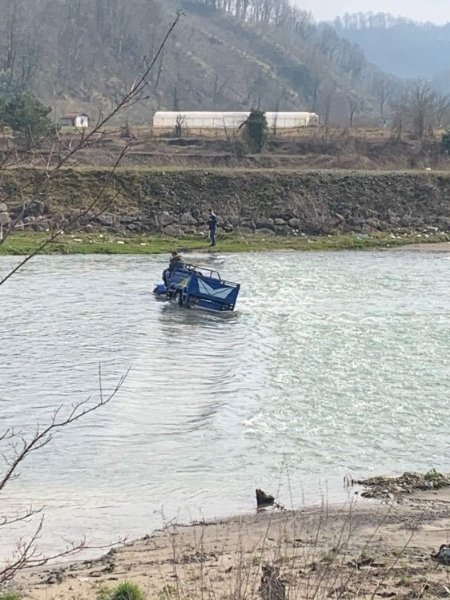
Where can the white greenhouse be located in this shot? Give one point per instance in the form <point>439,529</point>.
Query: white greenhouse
<point>231,120</point>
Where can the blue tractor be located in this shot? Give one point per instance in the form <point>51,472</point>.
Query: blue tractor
<point>188,286</point>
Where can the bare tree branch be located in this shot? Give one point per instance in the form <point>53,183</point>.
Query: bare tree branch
<point>72,224</point>
<point>42,437</point>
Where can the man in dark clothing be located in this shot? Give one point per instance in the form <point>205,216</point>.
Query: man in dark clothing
<point>175,260</point>
<point>212,226</point>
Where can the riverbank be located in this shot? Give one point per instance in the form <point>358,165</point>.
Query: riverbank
<point>363,549</point>
<point>267,203</point>
<point>99,243</point>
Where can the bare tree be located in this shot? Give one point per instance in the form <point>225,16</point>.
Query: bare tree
<point>422,103</point>
<point>327,93</point>
<point>354,106</point>
<point>383,89</point>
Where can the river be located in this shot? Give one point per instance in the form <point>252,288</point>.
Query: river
<point>333,364</point>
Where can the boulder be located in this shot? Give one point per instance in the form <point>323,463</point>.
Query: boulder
<point>248,224</point>
<point>35,208</point>
<point>294,223</point>
<point>264,223</point>
<point>127,219</point>
<point>188,219</point>
<point>105,220</point>
<point>280,221</point>
<point>173,230</point>
<point>165,218</point>
<point>3,207</point>
<point>4,218</point>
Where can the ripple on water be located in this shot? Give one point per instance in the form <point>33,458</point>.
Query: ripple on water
<point>332,363</point>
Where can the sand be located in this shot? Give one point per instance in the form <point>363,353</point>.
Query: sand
<point>429,247</point>
<point>365,549</point>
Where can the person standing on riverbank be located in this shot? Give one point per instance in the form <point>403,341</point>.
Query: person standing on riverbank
<point>212,226</point>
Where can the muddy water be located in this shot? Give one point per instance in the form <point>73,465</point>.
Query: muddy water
<point>333,363</point>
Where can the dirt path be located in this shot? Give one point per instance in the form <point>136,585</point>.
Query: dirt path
<point>363,550</point>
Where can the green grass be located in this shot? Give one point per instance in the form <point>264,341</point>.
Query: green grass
<point>26,243</point>
<point>122,591</point>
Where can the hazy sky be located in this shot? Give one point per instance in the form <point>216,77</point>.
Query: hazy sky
<point>437,11</point>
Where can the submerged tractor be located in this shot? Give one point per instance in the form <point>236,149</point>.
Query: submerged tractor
<point>195,287</point>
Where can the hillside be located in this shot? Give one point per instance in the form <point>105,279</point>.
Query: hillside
<point>402,47</point>
<point>79,55</point>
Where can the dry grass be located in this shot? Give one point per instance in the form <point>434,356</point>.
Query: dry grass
<point>324,552</point>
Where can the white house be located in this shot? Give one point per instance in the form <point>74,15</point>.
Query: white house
<point>231,120</point>
<point>78,120</point>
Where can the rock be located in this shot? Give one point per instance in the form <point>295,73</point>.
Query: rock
<point>35,208</point>
<point>106,220</point>
<point>294,223</point>
<point>279,221</point>
<point>233,220</point>
<point>4,218</point>
<point>127,220</point>
<point>248,223</point>
<point>264,231</point>
<point>443,555</point>
<point>3,207</point>
<point>165,218</point>
<point>188,219</point>
<point>173,230</point>
<point>264,223</point>
<point>443,223</point>
<point>263,499</point>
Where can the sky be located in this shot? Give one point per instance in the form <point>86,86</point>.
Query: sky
<point>437,11</point>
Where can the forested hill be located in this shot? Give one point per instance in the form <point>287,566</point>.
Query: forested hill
<point>224,54</point>
<point>400,46</point>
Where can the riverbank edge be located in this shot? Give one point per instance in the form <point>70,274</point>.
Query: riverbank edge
<point>99,243</point>
<point>357,544</point>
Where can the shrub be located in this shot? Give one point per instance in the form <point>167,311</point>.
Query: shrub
<point>10,596</point>
<point>256,130</point>
<point>123,591</point>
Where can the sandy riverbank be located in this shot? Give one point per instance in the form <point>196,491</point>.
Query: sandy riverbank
<point>432,247</point>
<point>361,550</point>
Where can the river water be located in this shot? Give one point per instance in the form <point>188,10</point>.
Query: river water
<point>333,364</point>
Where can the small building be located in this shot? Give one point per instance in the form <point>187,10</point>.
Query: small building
<point>77,120</point>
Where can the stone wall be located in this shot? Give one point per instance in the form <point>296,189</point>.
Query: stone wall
<point>267,202</point>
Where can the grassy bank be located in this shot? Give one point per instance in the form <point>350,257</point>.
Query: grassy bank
<point>25,243</point>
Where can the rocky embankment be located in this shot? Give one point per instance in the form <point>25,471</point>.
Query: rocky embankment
<point>175,202</point>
